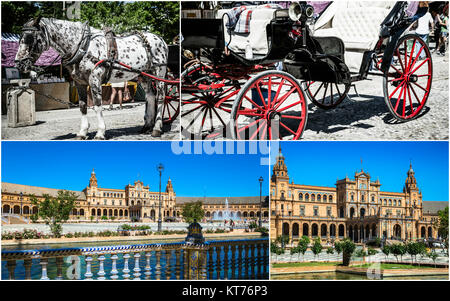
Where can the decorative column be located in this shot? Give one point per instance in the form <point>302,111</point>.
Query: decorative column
<point>126,270</point>
<point>147,272</point>
<point>114,271</point>
<point>225,261</point>
<point>218,263</point>
<point>137,269</point>
<point>167,271</point>
<point>240,261</point>
<point>59,268</point>
<point>101,273</point>
<point>43,263</point>
<point>11,265</point>
<point>158,265</point>
<point>233,261</point>
<point>210,262</point>
<point>27,263</point>
<point>177,264</point>
<point>252,261</point>
<point>246,261</point>
<point>88,275</point>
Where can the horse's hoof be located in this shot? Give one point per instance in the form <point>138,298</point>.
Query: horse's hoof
<point>99,138</point>
<point>146,129</point>
<point>79,137</point>
<point>156,133</point>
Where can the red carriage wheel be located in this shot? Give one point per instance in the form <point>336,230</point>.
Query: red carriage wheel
<point>171,107</point>
<point>325,95</point>
<point>407,82</point>
<point>270,106</point>
<point>206,102</point>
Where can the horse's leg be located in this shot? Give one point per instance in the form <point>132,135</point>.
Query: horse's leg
<point>160,95</point>
<point>149,117</point>
<point>82,100</point>
<point>96,90</point>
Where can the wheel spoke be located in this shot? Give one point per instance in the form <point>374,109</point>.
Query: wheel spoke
<point>282,99</point>
<point>249,125</point>
<point>289,106</point>
<point>291,117</point>
<point>257,130</point>
<point>254,103</point>
<point>258,88</point>
<point>392,94</point>
<point>287,128</point>
<point>399,97</point>
<point>190,111</point>
<point>421,64</point>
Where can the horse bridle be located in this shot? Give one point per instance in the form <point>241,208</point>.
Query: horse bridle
<point>74,58</point>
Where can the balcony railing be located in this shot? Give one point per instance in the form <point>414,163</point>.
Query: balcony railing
<point>226,259</point>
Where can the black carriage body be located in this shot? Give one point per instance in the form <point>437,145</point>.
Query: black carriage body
<point>208,35</point>
<point>173,62</point>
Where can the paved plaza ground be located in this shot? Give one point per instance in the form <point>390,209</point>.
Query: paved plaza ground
<point>366,117</point>
<point>64,124</point>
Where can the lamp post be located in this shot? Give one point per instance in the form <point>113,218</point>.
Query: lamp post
<point>21,199</point>
<point>160,169</point>
<point>260,201</point>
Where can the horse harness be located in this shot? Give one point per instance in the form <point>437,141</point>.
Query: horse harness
<point>111,52</point>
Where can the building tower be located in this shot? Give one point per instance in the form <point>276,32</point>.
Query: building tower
<point>169,188</point>
<point>93,179</point>
<point>414,197</point>
<point>280,172</point>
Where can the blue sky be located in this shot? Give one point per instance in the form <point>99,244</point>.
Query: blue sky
<point>68,165</point>
<point>321,163</point>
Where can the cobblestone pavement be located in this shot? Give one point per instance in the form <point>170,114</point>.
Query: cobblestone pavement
<point>366,117</point>
<point>64,124</point>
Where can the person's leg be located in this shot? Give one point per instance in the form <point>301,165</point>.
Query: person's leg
<point>120,91</point>
<point>113,95</point>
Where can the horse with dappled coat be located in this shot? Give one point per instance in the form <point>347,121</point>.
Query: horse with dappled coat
<point>81,47</point>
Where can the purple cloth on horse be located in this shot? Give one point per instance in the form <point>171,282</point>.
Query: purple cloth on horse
<point>10,48</point>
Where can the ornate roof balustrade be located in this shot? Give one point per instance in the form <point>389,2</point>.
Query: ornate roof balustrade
<point>224,259</point>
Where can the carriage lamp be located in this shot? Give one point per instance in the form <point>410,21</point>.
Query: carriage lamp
<point>160,169</point>
<point>300,12</point>
<point>260,203</point>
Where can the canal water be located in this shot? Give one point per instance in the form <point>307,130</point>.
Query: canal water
<point>345,276</point>
<point>74,267</point>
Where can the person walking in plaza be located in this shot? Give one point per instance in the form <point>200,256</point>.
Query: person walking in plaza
<point>423,29</point>
<point>443,22</point>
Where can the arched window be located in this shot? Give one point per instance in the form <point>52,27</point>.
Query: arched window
<point>300,196</point>
<point>313,197</point>
<point>390,202</point>
<point>385,202</point>
<point>373,199</point>
<point>399,202</point>
<point>319,197</point>
<point>330,199</point>
<point>324,197</point>
<point>395,202</point>
<point>307,197</point>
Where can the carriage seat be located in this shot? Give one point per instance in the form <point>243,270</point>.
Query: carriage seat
<point>257,37</point>
<point>356,23</point>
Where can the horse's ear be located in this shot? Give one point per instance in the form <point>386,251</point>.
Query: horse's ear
<point>36,21</point>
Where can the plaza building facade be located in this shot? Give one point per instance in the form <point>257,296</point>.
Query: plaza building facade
<point>136,202</point>
<point>236,208</point>
<point>356,208</point>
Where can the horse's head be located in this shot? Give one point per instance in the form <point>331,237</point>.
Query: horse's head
<point>32,43</point>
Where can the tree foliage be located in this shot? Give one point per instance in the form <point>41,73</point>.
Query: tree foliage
<point>317,247</point>
<point>193,211</point>
<point>442,223</point>
<point>159,17</point>
<point>55,210</point>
